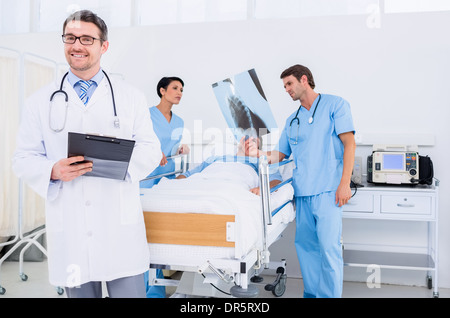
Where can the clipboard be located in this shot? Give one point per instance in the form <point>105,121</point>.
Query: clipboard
<point>110,156</point>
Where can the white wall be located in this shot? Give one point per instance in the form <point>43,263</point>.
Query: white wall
<point>395,76</point>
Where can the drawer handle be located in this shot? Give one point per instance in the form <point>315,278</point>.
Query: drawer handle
<point>403,205</point>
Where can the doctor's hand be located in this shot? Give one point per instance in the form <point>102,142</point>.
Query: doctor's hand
<point>343,194</point>
<point>68,169</point>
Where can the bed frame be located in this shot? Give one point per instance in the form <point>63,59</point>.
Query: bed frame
<point>217,230</point>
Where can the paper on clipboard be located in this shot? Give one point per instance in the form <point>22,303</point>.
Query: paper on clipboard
<point>110,156</point>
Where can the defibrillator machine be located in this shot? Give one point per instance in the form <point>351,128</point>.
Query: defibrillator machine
<point>393,165</point>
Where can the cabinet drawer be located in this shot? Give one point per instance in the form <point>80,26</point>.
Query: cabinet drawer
<point>360,203</point>
<point>406,204</point>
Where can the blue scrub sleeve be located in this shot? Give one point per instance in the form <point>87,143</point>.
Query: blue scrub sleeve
<point>283,145</point>
<point>343,121</point>
<point>275,176</point>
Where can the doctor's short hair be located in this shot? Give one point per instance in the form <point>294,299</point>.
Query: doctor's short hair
<point>298,71</point>
<point>165,82</point>
<point>91,17</point>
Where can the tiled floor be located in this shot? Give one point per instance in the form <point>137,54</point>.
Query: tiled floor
<point>37,286</point>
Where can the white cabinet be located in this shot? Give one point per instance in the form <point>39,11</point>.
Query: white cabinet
<point>397,203</point>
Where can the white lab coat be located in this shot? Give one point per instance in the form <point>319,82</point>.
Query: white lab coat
<point>95,226</point>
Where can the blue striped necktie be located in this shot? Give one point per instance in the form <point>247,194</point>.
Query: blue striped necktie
<point>84,89</point>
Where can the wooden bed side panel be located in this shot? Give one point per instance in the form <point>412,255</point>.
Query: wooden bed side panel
<point>188,228</point>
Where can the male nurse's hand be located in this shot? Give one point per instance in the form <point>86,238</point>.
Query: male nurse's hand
<point>184,149</point>
<point>343,194</point>
<point>70,168</point>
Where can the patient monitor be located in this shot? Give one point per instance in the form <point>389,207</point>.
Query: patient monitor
<point>393,165</point>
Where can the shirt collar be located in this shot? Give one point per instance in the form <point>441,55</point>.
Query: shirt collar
<point>73,79</point>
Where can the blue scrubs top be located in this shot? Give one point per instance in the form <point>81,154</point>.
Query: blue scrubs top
<point>317,150</point>
<point>169,134</point>
<point>250,161</point>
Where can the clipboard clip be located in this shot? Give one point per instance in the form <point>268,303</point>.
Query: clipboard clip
<point>103,139</point>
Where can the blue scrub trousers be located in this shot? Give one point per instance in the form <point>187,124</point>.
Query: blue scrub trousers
<point>318,245</point>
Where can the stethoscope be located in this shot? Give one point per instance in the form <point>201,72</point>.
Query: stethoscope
<point>310,121</point>
<point>66,98</point>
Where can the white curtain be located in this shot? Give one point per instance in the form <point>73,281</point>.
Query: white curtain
<point>9,119</point>
<point>36,74</point>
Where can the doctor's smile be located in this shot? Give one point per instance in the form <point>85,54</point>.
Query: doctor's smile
<point>78,55</point>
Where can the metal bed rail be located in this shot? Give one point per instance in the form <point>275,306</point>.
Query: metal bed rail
<point>265,191</point>
<point>184,166</point>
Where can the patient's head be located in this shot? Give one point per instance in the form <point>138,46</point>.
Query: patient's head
<point>247,145</point>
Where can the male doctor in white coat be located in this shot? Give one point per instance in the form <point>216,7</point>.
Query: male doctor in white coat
<point>95,226</point>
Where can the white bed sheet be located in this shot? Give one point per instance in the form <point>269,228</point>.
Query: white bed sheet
<point>215,196</point>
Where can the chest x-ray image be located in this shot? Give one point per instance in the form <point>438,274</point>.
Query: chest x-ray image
<point>244,105</point>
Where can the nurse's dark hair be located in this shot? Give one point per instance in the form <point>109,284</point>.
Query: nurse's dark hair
<point>298,71</point>
<point>165,82</point>
<point>89,16</point>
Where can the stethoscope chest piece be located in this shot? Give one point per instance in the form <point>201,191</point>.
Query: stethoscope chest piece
<point>116,122</point>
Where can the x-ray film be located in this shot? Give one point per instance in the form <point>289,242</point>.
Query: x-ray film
<point>244,105</point>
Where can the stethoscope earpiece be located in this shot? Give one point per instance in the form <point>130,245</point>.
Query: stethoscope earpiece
<point>310,120</point>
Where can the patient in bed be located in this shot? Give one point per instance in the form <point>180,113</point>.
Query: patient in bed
<point>239,166</point>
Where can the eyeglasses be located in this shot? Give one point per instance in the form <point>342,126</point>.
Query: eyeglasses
<point>84,39</point>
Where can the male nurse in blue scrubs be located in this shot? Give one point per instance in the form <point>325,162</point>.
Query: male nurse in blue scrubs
<point>320,138</point>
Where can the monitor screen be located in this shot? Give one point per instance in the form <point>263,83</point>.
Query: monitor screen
<point>393,162</point>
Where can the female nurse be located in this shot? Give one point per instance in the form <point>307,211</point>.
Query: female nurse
<point>169,129</point>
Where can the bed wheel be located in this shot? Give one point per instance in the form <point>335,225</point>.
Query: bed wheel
<point>280,288</point>
<point>239,292</point>
<point>59,290</point>
<point>429,282</point>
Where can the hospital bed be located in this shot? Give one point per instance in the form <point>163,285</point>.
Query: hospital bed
<point>217,233</point>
